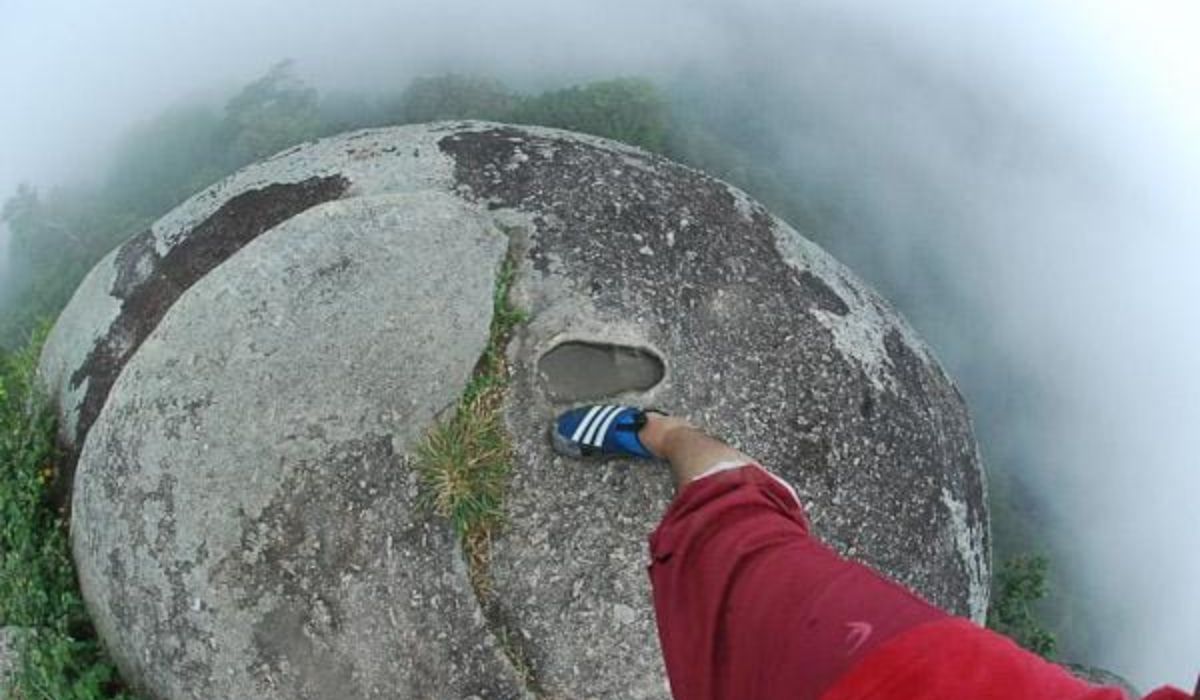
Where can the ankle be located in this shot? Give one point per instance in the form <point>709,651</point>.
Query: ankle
<point>658,430</point>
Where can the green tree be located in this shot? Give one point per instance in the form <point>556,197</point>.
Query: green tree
<point>48,253</point>
<point>56,238</point>
<point>57,651</point>
<point>345,110</point>
<point>268,115</point>
<point>626,109</point>
<point>1018,586</point>
<point>53,241</point>
<point>454,97</point>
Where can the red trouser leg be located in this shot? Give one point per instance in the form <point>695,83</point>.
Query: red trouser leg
<point>749,605</point>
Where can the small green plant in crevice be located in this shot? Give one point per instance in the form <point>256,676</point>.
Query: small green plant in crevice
<point>59,654</point>
<point>464,465</point>
<point>1019,584</point>
<point>465,461</point>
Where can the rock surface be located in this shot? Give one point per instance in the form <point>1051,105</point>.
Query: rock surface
<point>246,525</point>
<point>1100,676</point>
<point>244,385</point>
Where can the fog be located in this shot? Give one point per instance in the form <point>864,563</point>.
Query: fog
<point>1020,177</point>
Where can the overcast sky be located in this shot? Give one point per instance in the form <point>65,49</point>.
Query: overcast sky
<point>1051,149</point>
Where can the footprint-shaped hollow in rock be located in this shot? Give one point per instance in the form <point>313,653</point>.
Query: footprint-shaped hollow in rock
<point>580,370</point>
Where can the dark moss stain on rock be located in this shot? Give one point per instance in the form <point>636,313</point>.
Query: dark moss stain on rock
<point>664,217</point>
<point>306,530</point>
<point>813,454</point>
<point>342,264</point>
<point>149,284</point>
<point>825,298</point>
<point>907,368</point>
<point>648,237</point>
<point>867,407</point>
<point>282,639</point>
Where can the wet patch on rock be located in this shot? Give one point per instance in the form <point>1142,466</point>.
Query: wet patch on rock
<point>580,370</point>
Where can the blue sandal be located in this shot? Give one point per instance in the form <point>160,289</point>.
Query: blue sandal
<point>601,429</point>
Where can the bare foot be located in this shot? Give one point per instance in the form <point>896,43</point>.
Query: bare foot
<point>655,433</point>
<point>689,450</point>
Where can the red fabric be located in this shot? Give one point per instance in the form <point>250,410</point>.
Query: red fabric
<point>749,606</point>
<point>954,658</point>
<point>741,592</point>
<point>1168,693</point>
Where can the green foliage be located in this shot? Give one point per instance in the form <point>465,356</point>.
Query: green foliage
<point>59,655</point>
<point>270,114</point>
<point>464,464</point>
<point>627,109</point>
<point>505,319</point>
<point>342,110</point>
<point>55,239</point>
<point>42,231</point>
<point>454,97</point>
<point>722,129</point>
<point>1018,586</point>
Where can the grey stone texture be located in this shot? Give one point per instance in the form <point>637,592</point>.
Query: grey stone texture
<point>245,521</point>
<point>245,384</point>
<point>767,341</point>
<point>1100,676</point>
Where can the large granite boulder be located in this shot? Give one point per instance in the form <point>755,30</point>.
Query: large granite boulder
<point>243,387</point>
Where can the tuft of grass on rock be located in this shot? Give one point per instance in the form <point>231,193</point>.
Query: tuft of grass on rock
<point>465,461</point>
<point>464,465</point>
<point>59,655</point>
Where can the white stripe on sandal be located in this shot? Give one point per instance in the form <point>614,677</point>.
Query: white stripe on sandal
<point>604,428</point>
<point>583,424</point>
<point>595,428</point>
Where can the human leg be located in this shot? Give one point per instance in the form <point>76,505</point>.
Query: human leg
<point>748,603</point>
<point>690,451</point>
